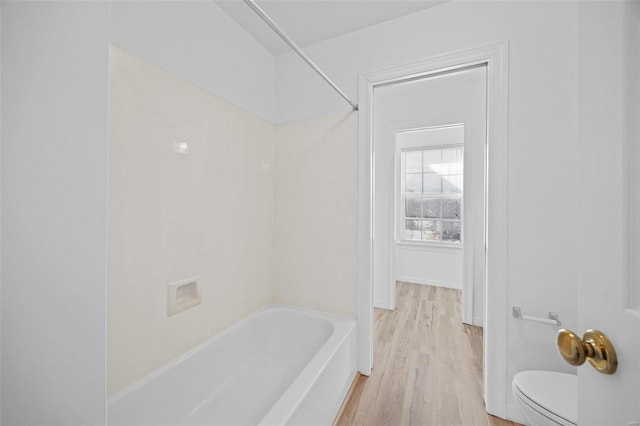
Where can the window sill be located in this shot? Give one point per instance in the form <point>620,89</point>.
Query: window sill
<point>410,245</point>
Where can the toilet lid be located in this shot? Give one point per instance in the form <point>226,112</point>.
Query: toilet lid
<point>555,392</point>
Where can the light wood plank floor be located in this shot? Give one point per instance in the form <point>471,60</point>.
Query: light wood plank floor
<point>427,365</point>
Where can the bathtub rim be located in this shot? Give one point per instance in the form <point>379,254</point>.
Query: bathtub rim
<point>335,321</point>
<point>284,408</point>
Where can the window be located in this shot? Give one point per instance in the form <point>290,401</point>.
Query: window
<point>431,191</point>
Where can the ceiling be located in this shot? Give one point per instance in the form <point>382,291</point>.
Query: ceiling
<point>311,21</point>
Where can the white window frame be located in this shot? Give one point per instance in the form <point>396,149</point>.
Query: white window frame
<point>400,182</point>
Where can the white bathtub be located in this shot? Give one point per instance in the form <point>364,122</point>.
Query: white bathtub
<point>282,365</point>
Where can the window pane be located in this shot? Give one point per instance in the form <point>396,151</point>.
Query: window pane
<point>413,161</point>
<point>449,159</point>
<point>432,158</point>
<point>459,160</point>
<point>412,207</point>
<point>431,207</point>
<point>432,183</point>
<point>452,184</point>
<point>413,182</point>
<point>452,160</point>
<point>451,231</point>
<point>431,230</point>
<point>451,208</point>
<point>412,229</point>
<point>432,192</point>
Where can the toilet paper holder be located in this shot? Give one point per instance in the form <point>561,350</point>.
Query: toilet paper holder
<point>552,320</point>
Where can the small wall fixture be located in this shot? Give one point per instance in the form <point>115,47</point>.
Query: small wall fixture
<point>183,295</point>
<point>181,147</point>
<point>552,320</point>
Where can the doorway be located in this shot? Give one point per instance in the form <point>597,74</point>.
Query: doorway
<point>429,173</point>
<point>495,306</point>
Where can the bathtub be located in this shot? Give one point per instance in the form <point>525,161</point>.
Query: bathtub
<point>281,365</point>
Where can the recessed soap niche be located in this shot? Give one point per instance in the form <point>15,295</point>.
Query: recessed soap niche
<point>182,295</point>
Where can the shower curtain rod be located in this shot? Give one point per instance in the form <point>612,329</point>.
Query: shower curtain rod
<point>261,13</point>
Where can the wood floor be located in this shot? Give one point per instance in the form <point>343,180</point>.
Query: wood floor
<point>427,366</point>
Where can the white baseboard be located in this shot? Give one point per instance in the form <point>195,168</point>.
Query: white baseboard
<point>478,321</point>
<point>514,413</point>
<point>420,280</point>
<point>383,304</point>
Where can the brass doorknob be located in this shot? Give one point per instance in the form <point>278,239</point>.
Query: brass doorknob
<point>594,346</point>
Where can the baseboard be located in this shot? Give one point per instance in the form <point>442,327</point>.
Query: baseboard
<point>478,321</point>
<point>382,304</point>
<point>437,283</point>
<point>514,413</point>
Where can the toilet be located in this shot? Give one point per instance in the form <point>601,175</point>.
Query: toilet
<point>547,398</point>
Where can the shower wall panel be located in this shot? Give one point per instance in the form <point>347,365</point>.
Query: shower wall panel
<point>315,214</point>
<point>191,194</point>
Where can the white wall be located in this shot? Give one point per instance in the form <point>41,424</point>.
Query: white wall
<point>315,213</point>
<point>543,104</point>
<point>437,266</point>
<point>54,212</point>
<point>174,216</point>
<point>199,42</point>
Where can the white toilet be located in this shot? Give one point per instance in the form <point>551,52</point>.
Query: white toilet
<point>547,398</point>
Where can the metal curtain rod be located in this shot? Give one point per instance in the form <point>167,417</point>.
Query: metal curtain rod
<point>261,13</point>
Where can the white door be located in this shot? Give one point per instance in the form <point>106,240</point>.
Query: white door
<point>423,106</point>
<point>609,287</point>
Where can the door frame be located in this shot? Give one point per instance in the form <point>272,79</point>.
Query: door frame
<point>472,277</point>
<point>496,251</point>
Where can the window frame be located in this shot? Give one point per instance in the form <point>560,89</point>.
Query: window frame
<point>399,196</point>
